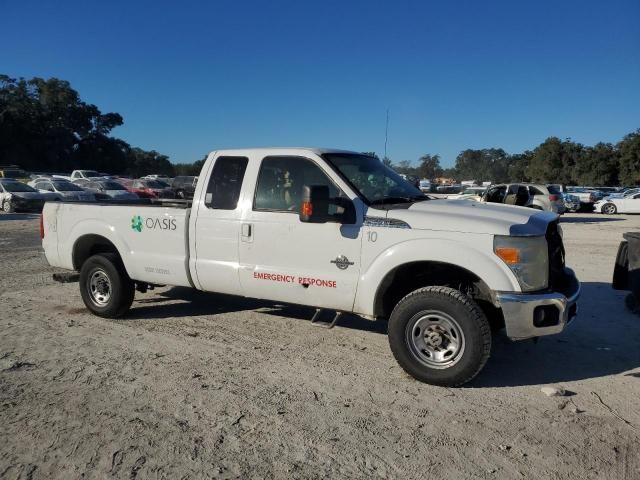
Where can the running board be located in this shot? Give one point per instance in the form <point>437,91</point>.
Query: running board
<point>316,322</point>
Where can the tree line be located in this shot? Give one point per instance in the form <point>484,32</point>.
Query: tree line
<point>553,161</point>
<point>46,126</point>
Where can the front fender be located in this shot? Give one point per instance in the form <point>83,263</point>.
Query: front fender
<point>478,258</point>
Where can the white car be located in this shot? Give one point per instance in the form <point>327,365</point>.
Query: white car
<point>67,190</point>
<point>626,204</point>
<point>338,231</point>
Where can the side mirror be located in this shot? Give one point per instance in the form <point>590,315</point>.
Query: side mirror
<point>315,204</point>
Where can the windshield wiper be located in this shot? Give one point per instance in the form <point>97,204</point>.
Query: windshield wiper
<point>398,199</point>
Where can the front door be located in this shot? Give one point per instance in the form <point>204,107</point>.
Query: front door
<point>284,259</point>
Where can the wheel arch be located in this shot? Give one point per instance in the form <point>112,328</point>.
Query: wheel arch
<point>91,244</point>
<point>405,278</point>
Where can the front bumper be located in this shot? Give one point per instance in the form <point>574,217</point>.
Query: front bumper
<point>528,315</point>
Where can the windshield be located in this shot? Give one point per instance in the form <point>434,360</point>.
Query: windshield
<point>376,182</point>
<point>153,184</point>
<point>17,187</point>
<point>112,186</point>
<point>66,187</point>
<point>90,173</point>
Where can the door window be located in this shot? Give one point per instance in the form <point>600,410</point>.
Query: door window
<point>496,194</point>
<point>281,180</point>
<point>225,183</point>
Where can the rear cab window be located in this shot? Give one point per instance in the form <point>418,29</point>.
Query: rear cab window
<point>225,183</point>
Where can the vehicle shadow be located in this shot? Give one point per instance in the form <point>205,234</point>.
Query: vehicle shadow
<point>180,302</point>
<point>590,219</point>
<point>19,216</point>
<point>603,340</point>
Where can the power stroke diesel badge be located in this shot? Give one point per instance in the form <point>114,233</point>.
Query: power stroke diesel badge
<point>342,262</point>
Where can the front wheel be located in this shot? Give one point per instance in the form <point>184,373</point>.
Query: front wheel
<point>7,207</point>
<point>609,209</point>
<point>440,336</point>
<point>105,287</point>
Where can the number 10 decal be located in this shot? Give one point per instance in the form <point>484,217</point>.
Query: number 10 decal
<point>372,236</point>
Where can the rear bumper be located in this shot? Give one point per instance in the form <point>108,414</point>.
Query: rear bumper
<point>528,315</point>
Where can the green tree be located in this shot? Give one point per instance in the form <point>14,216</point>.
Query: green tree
<point>429,166</point>
<point>518,165</point>
<point>597,166</point>
<point>489,164</point>
<point>629,158</point>
<point>554,161</point>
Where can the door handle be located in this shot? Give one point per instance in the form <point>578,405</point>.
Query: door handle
<point>246,232</point>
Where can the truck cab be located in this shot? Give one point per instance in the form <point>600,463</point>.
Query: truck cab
<point>338,231</point>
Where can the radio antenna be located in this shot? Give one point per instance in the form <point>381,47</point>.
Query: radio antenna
<point>386,134</point>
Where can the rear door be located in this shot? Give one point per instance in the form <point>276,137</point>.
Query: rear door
<point>282,258</point>
<point>217,227</point>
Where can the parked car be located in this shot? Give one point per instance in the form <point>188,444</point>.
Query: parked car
<point>425,186</point>
<point>149,189</point>
<point>337,231</point>
<point>12,171</point>
<point>571,202</point>
<point>627,204</point>
<point>546,197</point>
<point>157,176</point>
<point>624,193</point>
<point>66,190</point>
<point>587,197</point>
<point>184,186</point>
<point>108,189</point>
<point>469,193</point>
<point>84,174</point>
<point>18,196</point>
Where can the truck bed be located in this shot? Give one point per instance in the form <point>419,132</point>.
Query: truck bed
<point>151,236</point>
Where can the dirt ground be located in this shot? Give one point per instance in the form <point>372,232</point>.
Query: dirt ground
<point>195,385</point>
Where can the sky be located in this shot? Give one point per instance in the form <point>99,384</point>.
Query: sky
<point>191,77</point>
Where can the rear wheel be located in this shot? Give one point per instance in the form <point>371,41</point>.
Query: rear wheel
<point>105,287</point>
<point>439,336</point>
<point>609,209</point>
<point>180,194</point>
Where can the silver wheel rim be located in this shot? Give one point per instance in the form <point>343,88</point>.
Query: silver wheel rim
<point>99,287</point>
<point>609,209</point>
<point>435,339</point>
<point>6,207</point>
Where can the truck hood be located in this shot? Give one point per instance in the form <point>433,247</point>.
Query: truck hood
<point>473,217</point>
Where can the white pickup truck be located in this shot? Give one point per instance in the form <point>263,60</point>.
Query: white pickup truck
<point>338,231</point>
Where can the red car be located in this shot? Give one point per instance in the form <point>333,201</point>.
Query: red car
<point>149,189</point>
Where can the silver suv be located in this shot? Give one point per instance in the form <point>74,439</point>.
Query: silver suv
<point>546,197</point>
<point>533,195</point>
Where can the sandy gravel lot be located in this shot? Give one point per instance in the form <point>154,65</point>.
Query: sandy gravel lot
<point>192,385</point>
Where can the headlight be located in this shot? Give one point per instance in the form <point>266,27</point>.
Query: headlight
<point>528,259</point>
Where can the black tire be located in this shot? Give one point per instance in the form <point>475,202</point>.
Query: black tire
<point>413,316</point>
<point>7,207</point>
<point>610,208</point>
<point>106,270</point>
<point>180,194</point>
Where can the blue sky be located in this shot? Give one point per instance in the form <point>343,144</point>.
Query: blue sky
<point>189,77</point>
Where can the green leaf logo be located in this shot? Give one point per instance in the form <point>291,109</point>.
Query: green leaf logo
<point>136,223</point>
